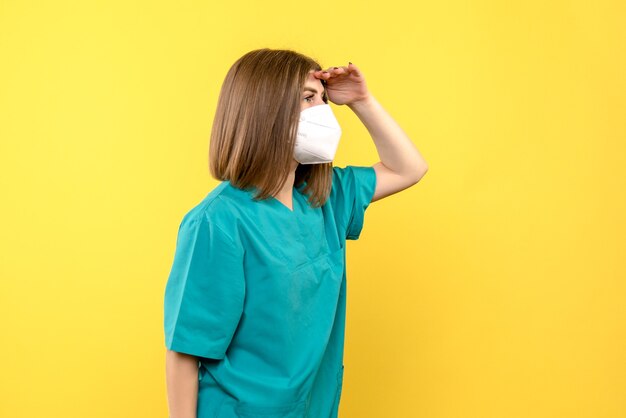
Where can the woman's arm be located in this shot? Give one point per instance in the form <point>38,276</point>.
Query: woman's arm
<point>181,372</point>
<point>401,165</point>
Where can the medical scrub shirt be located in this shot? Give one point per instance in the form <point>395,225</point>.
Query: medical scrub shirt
<point>258,293</point>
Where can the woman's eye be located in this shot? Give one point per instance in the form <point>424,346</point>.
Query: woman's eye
<point>309,97</point>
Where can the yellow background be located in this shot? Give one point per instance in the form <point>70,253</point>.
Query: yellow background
<point>494,288</point>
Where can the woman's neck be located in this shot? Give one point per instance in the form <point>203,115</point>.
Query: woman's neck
<point>285,195</point>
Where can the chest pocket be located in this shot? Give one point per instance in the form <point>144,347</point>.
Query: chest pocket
<point>328,264</point>
<point>294,298</point>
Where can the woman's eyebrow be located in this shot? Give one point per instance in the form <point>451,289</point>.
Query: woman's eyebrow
<point>310,89</point>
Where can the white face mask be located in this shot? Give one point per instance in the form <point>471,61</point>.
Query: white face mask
<point>318,135</point>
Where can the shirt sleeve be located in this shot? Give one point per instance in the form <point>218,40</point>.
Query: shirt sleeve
<point>205,290</point>
<point>352,192</point>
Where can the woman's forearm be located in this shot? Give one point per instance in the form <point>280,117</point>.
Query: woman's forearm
<point>181,372</point>
<point>395,149</point>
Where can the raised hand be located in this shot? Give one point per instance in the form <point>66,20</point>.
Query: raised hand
<point>344,85</point>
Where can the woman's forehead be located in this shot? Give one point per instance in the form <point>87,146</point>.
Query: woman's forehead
<point>313,82</point>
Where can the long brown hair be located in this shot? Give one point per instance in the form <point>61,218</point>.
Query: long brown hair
<point>256,122</point>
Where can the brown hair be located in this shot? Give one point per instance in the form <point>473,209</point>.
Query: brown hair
<point>255,125</point>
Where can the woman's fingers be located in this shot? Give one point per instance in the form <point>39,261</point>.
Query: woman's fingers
<point>324,75</point>
<point>354,69</point>
<point>349,69</point>
<point>337,71</point>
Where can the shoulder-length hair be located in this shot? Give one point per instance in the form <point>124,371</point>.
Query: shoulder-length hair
<point>256,122</point>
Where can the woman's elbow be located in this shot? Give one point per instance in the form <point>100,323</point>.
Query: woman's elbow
<point>419,173</point>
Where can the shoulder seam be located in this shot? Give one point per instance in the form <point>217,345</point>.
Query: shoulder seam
<point>214,224</point>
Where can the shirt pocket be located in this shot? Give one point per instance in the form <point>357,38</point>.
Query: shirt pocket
<point>290,410</point>
<point>330,263</point>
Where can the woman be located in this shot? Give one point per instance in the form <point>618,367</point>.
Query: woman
<point>255,300</point>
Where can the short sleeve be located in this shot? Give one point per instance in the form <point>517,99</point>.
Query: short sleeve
<point>205,290</point>
<point>352,192</point>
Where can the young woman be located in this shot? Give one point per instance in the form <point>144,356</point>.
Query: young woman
<point>255,300</point>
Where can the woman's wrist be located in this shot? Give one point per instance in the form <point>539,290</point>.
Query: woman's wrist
<point>362,105</point>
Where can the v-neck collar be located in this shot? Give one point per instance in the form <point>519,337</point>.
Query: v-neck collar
<point>298,200</point>
<point>294,201</point>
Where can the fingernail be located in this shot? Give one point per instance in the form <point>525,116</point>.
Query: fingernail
<point>349,62</point>
<point>335,67</point>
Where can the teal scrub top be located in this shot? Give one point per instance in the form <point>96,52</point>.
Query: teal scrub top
<point>258,293</point>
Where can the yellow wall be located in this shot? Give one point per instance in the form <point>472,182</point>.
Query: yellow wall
<point>494,288</point>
